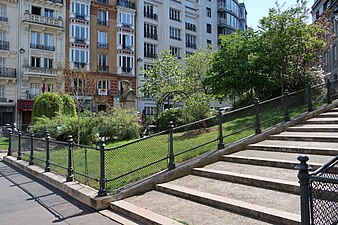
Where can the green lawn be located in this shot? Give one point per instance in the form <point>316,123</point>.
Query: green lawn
<point>3,143</point>
<point>139,154</point>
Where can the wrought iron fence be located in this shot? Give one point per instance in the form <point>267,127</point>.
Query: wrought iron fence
<point>110,169</point>
<point>319,192</point>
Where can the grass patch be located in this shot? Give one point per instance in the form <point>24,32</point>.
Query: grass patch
<point>3,143</point>
<point>122,160</point>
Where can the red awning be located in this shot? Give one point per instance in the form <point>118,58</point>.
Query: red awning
<point>25,105</point>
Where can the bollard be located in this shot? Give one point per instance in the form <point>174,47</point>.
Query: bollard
<point>31,156</point>
<point>257,122</point>
<point>70,176</point>
<point>286,105</point>
<point>47,168</point>
<point>19,145</point>
<point>171,164</point>
<point>328,93</point>
<point>303,176</point>
<point>9,152</point>
<point>220,129</point>
<point>102,181</point>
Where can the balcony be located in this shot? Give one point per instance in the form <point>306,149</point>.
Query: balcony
<point>222,22</point>
<point>80,65</point>
<point>43,47</point>
<point>80,16</point>
<point>102,22</point>
<point>4,45</point>
<point>126,4</point>
<point>106,2</point>
<point>3,99</point>
<point>7,72</point>
<point>221,7</point>
<point>3,18</point>
<point>55,1</point>
<point>43,20</point>
<point>41,70</point>
<point>127,25</point>
<point>80,40</point>
<point>191,45</point>
<point>102,45</point>
<point>103,68</point>
<point>151,15</point>
<point>151,36</point>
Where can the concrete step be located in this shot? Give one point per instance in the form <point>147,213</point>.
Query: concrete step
<point>328,114</point>
<point>253,195</point>
<point>314,128</point>
<point>334,110</point>
<point>301,147</point>
<point>286,164</point>
<point>247,179</point>
<point>118,218</point>
<point>314,159</point>
<point>306,136</point>
<point>255,211</point>
<point>323,120</point>
<point>140,214</point>
<point>189,212</point>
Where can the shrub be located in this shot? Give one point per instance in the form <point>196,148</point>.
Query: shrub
<point>196,109</point>
<point>68,105</point>
<point>174,114</point>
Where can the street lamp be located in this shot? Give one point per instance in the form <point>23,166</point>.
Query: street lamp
<point>21,51</point>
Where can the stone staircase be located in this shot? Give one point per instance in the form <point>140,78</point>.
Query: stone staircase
<point>256,186</point>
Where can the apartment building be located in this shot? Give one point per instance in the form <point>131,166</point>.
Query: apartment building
<point>40,52</point>
<point>180,26</point>
<point>330,56</point>
<point>101,42</point>
<point>8,60</point>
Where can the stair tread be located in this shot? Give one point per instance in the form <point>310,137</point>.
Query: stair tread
<point>253,195</point>
<point>188,211</point>
<point>298,144</point>
<point>308,134</point>
<point>321,159</point>
<point>323,119</point>
<point>117,218</point>
<point>309,126</point>
<point>159,219</point>
<point>227,201</point>
<point>260,171</point>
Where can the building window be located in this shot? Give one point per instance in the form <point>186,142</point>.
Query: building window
<point>48,63</point>
<point>175,51</point>
<point>150,31</point>
<point>80,10</point>
<point>102,40</point>
<point>209,43</point>
<point>126,63</point>
<point>149,50</point>
<point>49,40</point>
<point>80,33</point>
<point>147,67</point>
<point>190,26</point>
<point>49,13</point>
<point>102,63</point>
<point>102,87</point>
<point>3,12</point>
<point>190,41</point>
<point>2,62</point>
<point>174,14</point>
<point>149,110</point>
<point>2,93</point>
<point>35,61</point>
<point>102,18</point>
<point>149,11</point>
<point>175,33</point>
<point>208,28</point>
<point>34,90</point>
<point>35,38</point>
<point>126,19</point>
<point>78,86</point>
<point>126,40</point>
<point>36,10</point>
<point>208,12</point>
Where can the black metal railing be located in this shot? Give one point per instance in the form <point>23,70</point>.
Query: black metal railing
<point>7,72</point>
<point>103,68</point>
<point>4,45</point>
<point>126,3</point>
<point>127,25</point>
<point>150,55</point>
<point>318,192</point>
<point>102,45</point>
<point>126,69</point>
<point>4,18</point>
<point>153,16</point>
<point>80,40</point>
<point>43,47</point>
<point>102,22</point>
<point>110,169</point>
<point>80,65</point>
<point>80,16</point>
<point>191,45</point>
<point>151,36</point>
<point>103,1</point>
<point>190,26</point>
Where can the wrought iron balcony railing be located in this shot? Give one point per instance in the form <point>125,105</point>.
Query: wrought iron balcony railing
<point>153,16</point>
<point>102,22</point>
<point>102,45</point>
<point>4,18</point>
<point>151,36</point>
<point>80,40</point>
<point>190,26</point>
<point>150,55</point>
<point>80,65</point>
<point>43,47</point>
<point>190,45</point>
<point>103,1</point>
<point>4,45</point>
<point>126,3</point>
<point>103,68</point>
<point>80,16</point>
<point>7,72</point>
<point>126,69</point>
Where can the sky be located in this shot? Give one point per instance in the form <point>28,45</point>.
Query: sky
<point>259,8</point>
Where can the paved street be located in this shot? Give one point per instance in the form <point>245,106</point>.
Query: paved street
<point>24,200</point>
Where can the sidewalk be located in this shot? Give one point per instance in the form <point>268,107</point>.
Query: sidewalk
<point>27,200</point>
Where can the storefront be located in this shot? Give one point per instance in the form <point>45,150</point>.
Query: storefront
<point>7,115</point>
<point>25,108</point>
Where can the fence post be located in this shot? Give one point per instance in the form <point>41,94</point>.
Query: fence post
<point>171,164</point>
<point>286,105</point>
<point>9,152</point>
<point>31,156</point>
<point>303,176</point>
<point>220,129</point>
<point>328,96</point>
<point>70,176</point>
<point>309,99</point>
<point>102,181</point>
<point>257,122</point>
<point>19,145</point>
<point>47,168</point>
